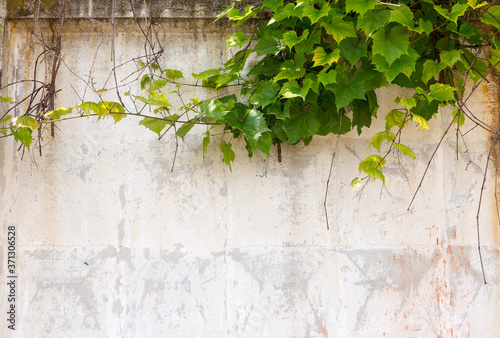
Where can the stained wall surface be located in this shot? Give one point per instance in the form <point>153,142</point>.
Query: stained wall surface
<point>111,243</point>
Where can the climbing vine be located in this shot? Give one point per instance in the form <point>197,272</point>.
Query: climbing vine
<point>309,68</point>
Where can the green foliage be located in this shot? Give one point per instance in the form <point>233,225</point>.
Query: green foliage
<point>319,64</point>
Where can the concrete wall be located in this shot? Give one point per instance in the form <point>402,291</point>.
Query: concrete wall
<point>110,243</point>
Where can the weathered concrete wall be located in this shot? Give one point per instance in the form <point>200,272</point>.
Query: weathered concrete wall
<point>110,243</point>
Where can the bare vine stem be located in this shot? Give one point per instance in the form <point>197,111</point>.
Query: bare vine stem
<point>330,173</point>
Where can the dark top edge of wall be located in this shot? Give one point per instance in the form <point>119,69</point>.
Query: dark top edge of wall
<point>18,9</point>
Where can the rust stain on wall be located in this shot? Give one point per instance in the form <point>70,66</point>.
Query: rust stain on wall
<point>491,93</point>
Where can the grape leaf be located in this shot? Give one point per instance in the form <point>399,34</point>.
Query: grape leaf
<point>404,150</point>
<point>273,5</point>
<point>422,122</point>
<point>269,43</point>
<point>370,21</point>
<point>339,29</point>
<point>353,89</point>
<point>152,124</point>
<point>290,71</point>
<point>353,50</point>
<point>56,114</point>
<point>25,122</point>
<point>451,57</point>
<point>391,46</point>
<point>23,135</point>
<point>315,14</point>
<point>229,156</point>
<point>322,58</point>
<point>402,15</point>
<point>431,70</point>
<point>185,128</point>
<point>173,74</point>
<point>371,162</point>
<point>377,139</point>
<point>456,11</point>
<point>492,16</point>
<point>89,107</point>
<point>154,99</point>
<point>404,64</point>
<point>290,38</point>
<point>442,92</point>
<point>359,6</point>
<point>265,94</point>
<point>237,39</point>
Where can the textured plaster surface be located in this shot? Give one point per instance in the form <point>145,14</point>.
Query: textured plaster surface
<point>110,243</point>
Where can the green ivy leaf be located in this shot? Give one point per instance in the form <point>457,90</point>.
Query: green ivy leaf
<point>402,65</point>
<point>402,15</point>
<point>144,81</point>
<point>315,14</point>
<point>235,15</point>
<point>474,4</point>
<point>158,84</point>
<point>229,156</point>
<point>290,38</point>
<point>6,99</point>
<point>442,92</point>
<point>115,109</point>
<point>356,183</point>
<point>326,77</point>
<point>185,128</point>
<point>5,118</point>
<point>290,71</point>
<point>237,39</point>
<point>404,150</point>
<point>339,29</point>
<point>23,135</point>
<point>361,114</point>
<point>269,43</point>
<point>492,16</point>
<point>155,99</point>
<point>371,162</point>
<point>450,57</point>
<point>426,109</point>
<point>291,89</point>
<point>353,89</point>
<point>25,122</point>
<point>273,5</point>
<point>92,107</point>
<point>216,108</point>
<point>371,21</point>
<point>155,125</point>
<point>395,118</point>
<point>457,11</point>
<point>56,114</point>
<point>205,74</point>
<point>322,58</point>
<point>431,70</point>
<point>265,94</point>
<point>359,6</point>
<point>251,122</point>
<point>173,74</point>
<point>426,26</point>
<point>206,142</point>
<point>353,50</point>
<point>301,123</point>
<point>422,122</point>
<point>377,139</point>
<point>407,102</point>
<point>391,46</point>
